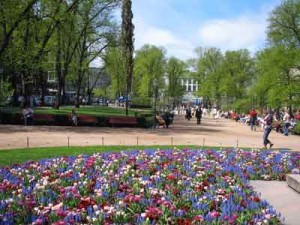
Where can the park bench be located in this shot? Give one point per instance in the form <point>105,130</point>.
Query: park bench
<point>122,121</point>
<point>86,119</point>
<point>44,119</point>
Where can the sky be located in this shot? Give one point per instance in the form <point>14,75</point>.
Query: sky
<point>180,26</point>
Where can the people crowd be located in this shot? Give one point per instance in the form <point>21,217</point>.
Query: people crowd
<point>282,121</point>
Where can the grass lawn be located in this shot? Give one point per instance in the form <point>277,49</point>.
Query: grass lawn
<point>83,110</point>
<point>16,156</point>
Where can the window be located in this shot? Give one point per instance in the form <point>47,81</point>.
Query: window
<point>51,76</point>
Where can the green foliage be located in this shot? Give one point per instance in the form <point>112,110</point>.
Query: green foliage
<point>149,71</point>
<point>238,71</point>
<point>141,102</point>
<point>242,105</point>
<point>210,74</point>
<point>6,90</point>
<point>7,117</point>
<point>278,82</point>
<point>284,24</point>
<point>175,70</point>
<point>145,121</point>
<point>296,129</point>
<point>114,66</point>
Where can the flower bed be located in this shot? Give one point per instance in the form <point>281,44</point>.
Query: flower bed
<point>144,187</point>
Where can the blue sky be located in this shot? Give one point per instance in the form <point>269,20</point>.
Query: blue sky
<point>180,26</point>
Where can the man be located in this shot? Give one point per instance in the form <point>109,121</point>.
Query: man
<point>28,115</point>
<point>188,112</point>
<point>199,114</point>
<point>268,128</point>
<point>253,119</point>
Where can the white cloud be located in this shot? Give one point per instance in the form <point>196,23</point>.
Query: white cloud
<point>232,34</point>
<point>174,44</point>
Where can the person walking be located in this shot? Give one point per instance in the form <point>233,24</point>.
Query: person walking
<point>27,115</point>
<point>253,119</point>
<point>199,114</point>
<point>286,123</point>
<point>188,112</point>
<point>74,117</point>
<point>268,119</point>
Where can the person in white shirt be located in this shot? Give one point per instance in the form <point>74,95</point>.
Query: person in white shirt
<point>28,115</point>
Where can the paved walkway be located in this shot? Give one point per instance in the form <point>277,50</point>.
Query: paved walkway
<point>284,199</point>
<point>220,133</point>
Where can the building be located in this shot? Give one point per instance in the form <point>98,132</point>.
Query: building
<point>191,88</point>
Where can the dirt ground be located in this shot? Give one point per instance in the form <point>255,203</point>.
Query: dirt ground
<point>220,133</point>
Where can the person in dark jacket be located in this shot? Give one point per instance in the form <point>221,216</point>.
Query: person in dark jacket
<point>188,113</point>
<point>268,120</point>
<point>199,114</point>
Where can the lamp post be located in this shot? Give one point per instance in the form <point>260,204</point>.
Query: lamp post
<point>154,101</point>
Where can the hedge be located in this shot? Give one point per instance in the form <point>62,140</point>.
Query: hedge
<point>144,120</point>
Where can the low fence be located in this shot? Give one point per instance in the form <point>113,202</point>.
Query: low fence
<point>69,141</point>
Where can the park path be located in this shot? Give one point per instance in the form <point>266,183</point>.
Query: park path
<point>220,133</point>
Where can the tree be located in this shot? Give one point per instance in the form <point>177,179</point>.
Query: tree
<point>238,70</point>
<point>127,44</point>
<point>284,24</point>
<point>6,90</point>
<point>114,66</point>
<point>175,69</point>
<point>97,34</point>
<point>279,80</point>
<point>210,74</point>
<point>279,64</point>
<point>149,72</point>
<point>11,17</point>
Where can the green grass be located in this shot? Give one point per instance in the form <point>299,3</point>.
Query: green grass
<point>84,110</point>
<point>16,156</point>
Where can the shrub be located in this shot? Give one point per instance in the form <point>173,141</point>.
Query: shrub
<point>145,121</point>
<point>103,121</point>
<point>63,120</point>
<point>296,129</point>
<point>11,118</point>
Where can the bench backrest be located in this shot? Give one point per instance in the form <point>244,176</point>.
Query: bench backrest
<point>122,119</point>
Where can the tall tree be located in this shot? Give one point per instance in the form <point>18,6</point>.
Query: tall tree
<point>175,69</point>
<point>11,17</point>
<point>95,33</point>
<point>284,24</point>
<point>114,66</point>
<point>149,71</point>
<point>279,81</point>
<point>210,74</point>
<point>127,44</point>
<point>238,71</point>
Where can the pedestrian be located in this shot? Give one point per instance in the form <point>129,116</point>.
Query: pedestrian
<point>199,114</point>
<point>214,112</point>
<point>74,117</point>
<point>286,123</point>
<point>268,119</point>
<point>27,115</point>
<point>253,119</point>
<point>188,112</point>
